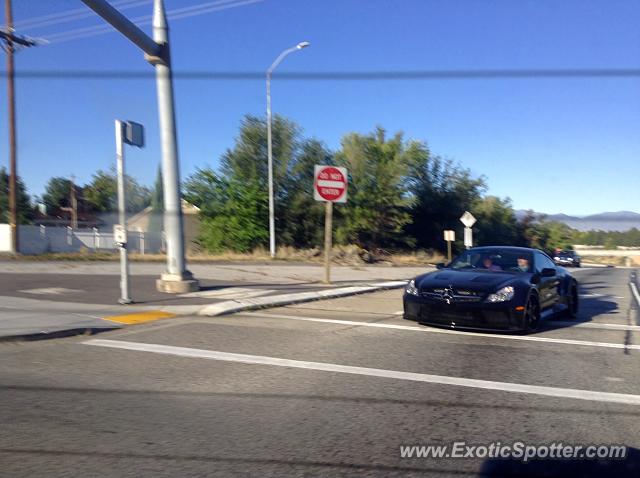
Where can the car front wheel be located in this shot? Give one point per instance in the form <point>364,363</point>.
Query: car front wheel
<point>531,314</point>
<point>572,302</point>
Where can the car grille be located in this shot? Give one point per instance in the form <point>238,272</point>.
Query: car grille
<point>457,295</point>
<point>440,314</point>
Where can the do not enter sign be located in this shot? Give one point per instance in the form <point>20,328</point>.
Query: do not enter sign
<point>330,184</point>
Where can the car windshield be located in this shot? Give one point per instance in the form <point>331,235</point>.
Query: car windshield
<point>566,254</point>
<point>493,260</point>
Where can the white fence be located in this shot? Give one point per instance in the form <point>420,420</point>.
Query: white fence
<point>41,239</point>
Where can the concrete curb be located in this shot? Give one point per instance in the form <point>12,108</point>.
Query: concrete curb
<point>56,334</point>
<point>212,310</point>
<point>233,306</point>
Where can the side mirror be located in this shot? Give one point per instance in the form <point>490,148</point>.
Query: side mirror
<point>440,265</point>
<point>548,272</point>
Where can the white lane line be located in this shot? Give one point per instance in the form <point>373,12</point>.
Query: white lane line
<point>446,331</point>
<point>595,325</point>
<point>602,295</point>
<point>634,289</point>
<point>577,394</point>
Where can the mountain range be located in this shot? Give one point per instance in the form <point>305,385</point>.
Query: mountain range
<point>605,221</point>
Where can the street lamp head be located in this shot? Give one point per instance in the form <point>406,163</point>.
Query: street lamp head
<point>302,44</point>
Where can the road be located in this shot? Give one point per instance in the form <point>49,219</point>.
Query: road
<point>201,396</point>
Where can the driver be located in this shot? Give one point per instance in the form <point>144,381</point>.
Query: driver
<point>487,262</point>
<point>523,264</point>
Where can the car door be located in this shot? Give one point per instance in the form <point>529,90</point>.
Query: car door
<point>548,286</point>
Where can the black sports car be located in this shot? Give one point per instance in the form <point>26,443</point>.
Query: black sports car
<point>494,288</point>
<point>567,258</point>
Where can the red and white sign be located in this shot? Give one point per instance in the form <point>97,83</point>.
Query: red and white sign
<point>330,184</point>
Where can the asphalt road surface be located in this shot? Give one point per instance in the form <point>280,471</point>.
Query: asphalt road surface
<point>332,388</point>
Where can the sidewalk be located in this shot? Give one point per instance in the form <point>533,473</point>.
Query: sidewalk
<point>39,299</point>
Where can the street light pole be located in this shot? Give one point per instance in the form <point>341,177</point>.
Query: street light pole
<point>272,223</point>
<point>173,220</point>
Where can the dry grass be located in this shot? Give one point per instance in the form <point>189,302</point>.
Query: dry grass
<point>342,255</point>
<point>610,260</point>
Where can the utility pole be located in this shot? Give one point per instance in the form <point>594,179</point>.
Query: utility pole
<point>177,278</point>
<point>73,204</point>
<point>10,40</point>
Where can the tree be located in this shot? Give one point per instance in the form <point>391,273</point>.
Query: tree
<point>57,194</point>
<point>234,202</point>
<point>301,217</point>
<point>156,222</point>
<point>377,210</point>
<point>101,195</point>
<point>24,208</point>
<point>532,231</point>
<point>232,211</point>
<point>157,194</point>
<point>497,223</point>
<point>441,192</point>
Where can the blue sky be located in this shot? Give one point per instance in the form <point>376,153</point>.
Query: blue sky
<point>554,145</point>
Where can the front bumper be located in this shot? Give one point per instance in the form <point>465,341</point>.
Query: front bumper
<point>564,262</point>
<point>477,315</point>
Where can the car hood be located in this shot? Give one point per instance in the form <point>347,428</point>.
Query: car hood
<point>471,280</point>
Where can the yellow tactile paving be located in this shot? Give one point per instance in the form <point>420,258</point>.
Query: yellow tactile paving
<point>140,317</point>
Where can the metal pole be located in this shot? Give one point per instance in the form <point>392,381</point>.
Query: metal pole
<point>13,170</point>
<point>123,25</point>
<point>328,220</point>
<point>449,251</point>
<point>173,222</point>
<point>122,216</point>
<point>272,223</point>
<point>176,278</point>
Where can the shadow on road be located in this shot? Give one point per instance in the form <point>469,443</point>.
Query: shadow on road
<point>590,307</point>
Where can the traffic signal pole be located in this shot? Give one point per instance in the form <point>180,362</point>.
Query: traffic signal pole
<point>176,279</point>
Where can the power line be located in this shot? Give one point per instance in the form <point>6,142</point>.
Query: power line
<point>175,14</point>
<point>613,73</point>
<point>71,15</point>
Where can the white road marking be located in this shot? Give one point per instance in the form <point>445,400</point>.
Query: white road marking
<point>447,331</point>
<point>50,291</point>
<point>634,289</point>
<point>577,394</point>
<point>595,325</point>
<point>228,293</point>
<point>602,295</point>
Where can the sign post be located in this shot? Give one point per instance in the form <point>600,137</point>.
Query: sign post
<point>329,186</point>
<point>449,236</point>
<point>133,134</point>
<point>468,220</point>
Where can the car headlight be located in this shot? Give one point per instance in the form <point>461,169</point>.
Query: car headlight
<point>411,288</point>
<point>556,258</point>
<point>503,295</point>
